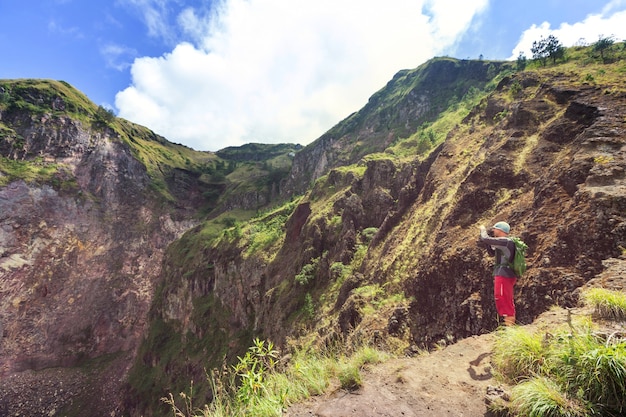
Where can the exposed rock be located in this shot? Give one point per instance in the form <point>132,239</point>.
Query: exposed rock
<point>79,257</point>
<point>83,254</point>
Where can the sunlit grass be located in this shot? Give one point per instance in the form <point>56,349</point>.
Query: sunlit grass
<point>256,386</point>
<point>518,353</point>
<point>575,370</point>
<point>608,304</point>
<point>542,397</point>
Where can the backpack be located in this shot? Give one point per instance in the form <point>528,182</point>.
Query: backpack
<point>519,260</point>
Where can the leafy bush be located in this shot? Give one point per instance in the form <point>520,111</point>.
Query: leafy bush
<point>308,308</point>
<point>307,273</point>
<point>252,369</point>
<point>104,116</point>
<point>368,234</point>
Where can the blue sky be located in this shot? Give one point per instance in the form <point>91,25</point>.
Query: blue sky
<point>217,73</point>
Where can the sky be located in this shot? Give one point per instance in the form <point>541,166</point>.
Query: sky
<point>215,73</point>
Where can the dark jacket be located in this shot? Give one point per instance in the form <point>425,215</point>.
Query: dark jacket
<point>504,250</point>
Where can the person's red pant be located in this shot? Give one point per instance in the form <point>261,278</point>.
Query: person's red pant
<point>503,294</point>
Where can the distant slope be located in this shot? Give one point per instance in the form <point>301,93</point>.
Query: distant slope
<point>410,100</point>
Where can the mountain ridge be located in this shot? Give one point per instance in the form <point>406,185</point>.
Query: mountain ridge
<point>380,245</point>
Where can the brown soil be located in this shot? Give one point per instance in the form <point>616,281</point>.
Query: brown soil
<point>451,381</point>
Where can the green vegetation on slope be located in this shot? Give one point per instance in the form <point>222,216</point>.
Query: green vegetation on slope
<point>58,176</point>
<point>40,96</point>
<point>175,170</point>
<point>574,371</point>
<point>380,123</point>
<point>257,386</point>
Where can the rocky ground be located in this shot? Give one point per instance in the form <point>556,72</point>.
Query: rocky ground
<point>449,382</point>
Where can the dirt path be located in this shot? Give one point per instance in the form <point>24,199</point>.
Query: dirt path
<point>449,382</point>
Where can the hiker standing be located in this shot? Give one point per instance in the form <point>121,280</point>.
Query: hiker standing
<point>500,245</point>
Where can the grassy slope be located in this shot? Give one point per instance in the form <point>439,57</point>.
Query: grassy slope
<point>219,177</point>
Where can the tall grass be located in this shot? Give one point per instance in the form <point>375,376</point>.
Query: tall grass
<point>608,304</point>
<point>256,387</point>
<point>603,376</point>
<point>518,353</point>
<point>572,371</point>
<point>542,397</point>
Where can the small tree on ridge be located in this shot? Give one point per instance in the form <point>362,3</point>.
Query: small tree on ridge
<point>604,44</point>
<point>545,48</point>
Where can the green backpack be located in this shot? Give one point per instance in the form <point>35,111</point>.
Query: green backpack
<point>519,260</point>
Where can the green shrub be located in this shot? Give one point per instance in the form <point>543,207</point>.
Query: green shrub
<point>338,270</point>
<point>573,371</point>
<point>368,234</point>
<point>308,271</point>
<point>603,376</point>
<point>308,308</point>
<point>516,89</point>
<point>563,351</point>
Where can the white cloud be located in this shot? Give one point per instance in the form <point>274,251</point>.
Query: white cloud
<point>611,22</point>
<point>155,15</point>
<point>57,27</point>
<point>117,56</point>
<point>276,71</point>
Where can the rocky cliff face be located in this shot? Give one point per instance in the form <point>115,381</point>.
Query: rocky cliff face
<point>80,250</point>
<point>554,168</point>
<point>398,235</point>
<point>380,249</point>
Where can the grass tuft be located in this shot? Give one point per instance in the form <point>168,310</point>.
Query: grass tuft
<point>542,397</point>
<point>608,304</point>
<point>603,376</point>
<point>573,371</point>
<point>518,353</point>
<point>350,377</point>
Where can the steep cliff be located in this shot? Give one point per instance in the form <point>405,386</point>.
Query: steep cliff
<point>384,250</point>
<point>88,205</point>
<point>410,100</point>
<point>128,268</point>
<point>82,236</point>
